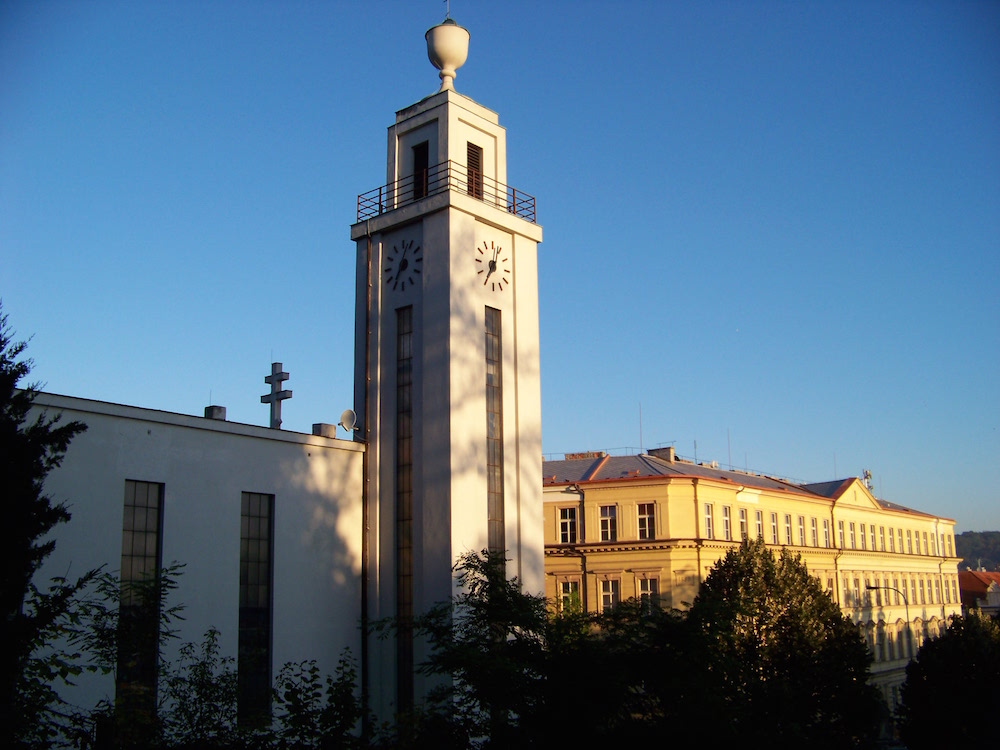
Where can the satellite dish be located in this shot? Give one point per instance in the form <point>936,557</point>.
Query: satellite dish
<point>348,419</point>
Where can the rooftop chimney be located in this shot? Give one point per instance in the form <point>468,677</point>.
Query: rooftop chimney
<point>215,412</point>
<point>667,454</point>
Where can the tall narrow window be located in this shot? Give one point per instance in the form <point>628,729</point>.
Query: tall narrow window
<point>774,528</point>
<point>609,523</point>
<point>475,163</point>
<point>743,524</point>
<point>139,606</point>
<point>802,531</point>
<point>709,532</point>
<point>494,432</point>
<point>840,533</point>
<point>759,515</point>
<point>871,536</point>
<point>788,528</point>
<point>899,536</point>
<point>610,593</point>
<point>253,668</point>
<point>569,596</point>
<point>649,594</point>
<point>826,533</point>
<point>727,529</point>
<point>814,532</point>
<point>420,166</point>
<point>404,507</point>
<point>647,520</point>
<point>567,525</point>
<point>863,537</point>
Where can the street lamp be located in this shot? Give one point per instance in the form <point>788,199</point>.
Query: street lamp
<point>906,603</point>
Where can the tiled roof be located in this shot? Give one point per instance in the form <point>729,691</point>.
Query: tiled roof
<point>975,582</point>
<point>610,468</point>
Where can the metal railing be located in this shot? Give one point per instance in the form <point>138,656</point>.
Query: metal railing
<point>447,175</point>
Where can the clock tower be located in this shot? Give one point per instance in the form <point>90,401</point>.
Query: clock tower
<point>447,385</point>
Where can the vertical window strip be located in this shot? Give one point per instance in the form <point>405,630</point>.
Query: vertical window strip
<point>404,507</point>
<point>253,669</point>
<point>139,612</point>
<point>494,433</point>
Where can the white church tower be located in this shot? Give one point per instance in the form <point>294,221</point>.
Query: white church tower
<point>446,366</point>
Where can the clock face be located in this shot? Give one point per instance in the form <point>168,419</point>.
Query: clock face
<point>493,266</point>
<point>403,264</point>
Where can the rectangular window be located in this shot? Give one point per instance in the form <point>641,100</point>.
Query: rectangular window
<point>923,592</point>
<point>871,531</point>
<point>895,585</point>
<point>949,546</point>
<point>743,524</point>
<point>937,591</point>
<point>420,167</point>
<point>647,521</point>
<point>840,532</point>
<point>788,528</point>
<point>708,522</point>
<point>899,535</point>
<point>826,533</point>
<point>253,662</point>
<point>759,517</point>
<point>881,538</point>
<point>847,592</point>
<point>649,594</point>
<point>934,545</point>
<point>567,525</point>
<point>494,433</point>
<point>802,531</point>
<point>814,529</point>
<point>862,536</point>
<point>858,601</point>
<point>404,506</point>
<point>475,163</point>
<point>954,591</point>
<point>892,543</point>
<point>727,529</point>
<point>609,523</point>
<point>139,605</point>
<point>569,596</point>
<point>925,544</point>
<point>853,536</point>
<point>610,593</point>
<point>913,590</point>
<point>774,528</point>
<point>909,542</point>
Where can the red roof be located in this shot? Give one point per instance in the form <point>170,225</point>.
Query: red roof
<point>973,585</point>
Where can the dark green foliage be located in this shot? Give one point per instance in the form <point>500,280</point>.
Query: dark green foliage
<point>779,660</point>
<point>316,713</point>
<point>199,697</point>
<point>489,655</point>
<point>978,549</point>
<point>952,687</point>
<point>30,707</point>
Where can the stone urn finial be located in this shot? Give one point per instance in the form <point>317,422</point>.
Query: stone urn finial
<point>447,49</point>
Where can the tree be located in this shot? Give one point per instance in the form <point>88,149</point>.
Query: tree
<point>29,617</point>
<point>487,649</point>
<point>952,687</point>
<point>777,658</point>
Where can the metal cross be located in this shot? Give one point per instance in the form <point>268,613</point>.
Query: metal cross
<point>275,397</point>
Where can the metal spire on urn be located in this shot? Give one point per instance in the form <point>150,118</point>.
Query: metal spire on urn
<point>447,49</point>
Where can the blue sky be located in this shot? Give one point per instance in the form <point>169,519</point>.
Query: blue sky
<point>772,229</point>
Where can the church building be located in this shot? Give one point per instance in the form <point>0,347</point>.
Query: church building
<point>293,544</point>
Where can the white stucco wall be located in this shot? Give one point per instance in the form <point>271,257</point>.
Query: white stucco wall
<point>204,466</point>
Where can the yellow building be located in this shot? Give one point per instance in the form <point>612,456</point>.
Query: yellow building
<point>653,526</point>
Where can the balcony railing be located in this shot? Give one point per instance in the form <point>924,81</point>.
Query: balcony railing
<point>440,178</point>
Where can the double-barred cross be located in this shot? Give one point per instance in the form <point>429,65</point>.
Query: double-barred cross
<point>275,397</point>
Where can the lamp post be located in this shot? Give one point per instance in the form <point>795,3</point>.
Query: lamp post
<point>906,603</point>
